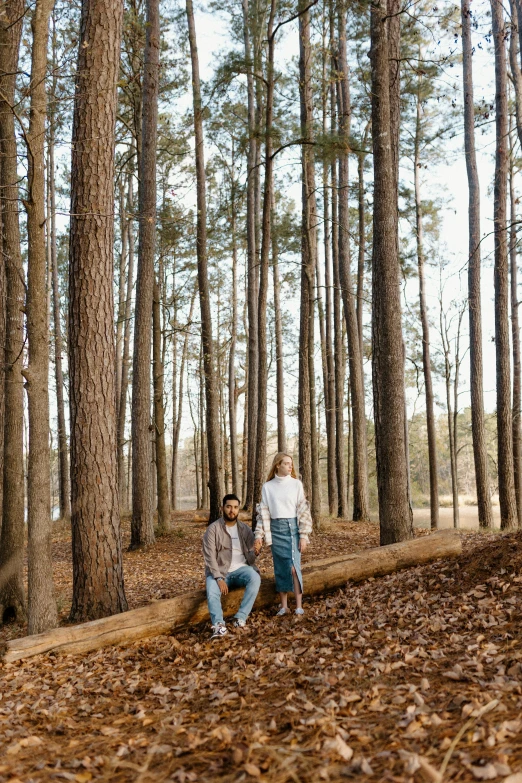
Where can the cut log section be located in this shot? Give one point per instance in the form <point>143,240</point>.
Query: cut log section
<point>163,617</point>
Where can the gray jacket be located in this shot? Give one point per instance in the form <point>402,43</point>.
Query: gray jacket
<point>217,547</point>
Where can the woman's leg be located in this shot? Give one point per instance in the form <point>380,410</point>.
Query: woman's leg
<point>297,590</point>
<point>284,600</point>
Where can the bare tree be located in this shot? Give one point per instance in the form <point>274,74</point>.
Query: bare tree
<point>42,613</point>
<point>164,524</point>
<point>507,500</point>
<point>96,539</point>
<point>12,599</point>
<point>474,297</point>
<point>142,528</point>
<point>361,500</point>
<point>388,357</point>
<point>211,391</point>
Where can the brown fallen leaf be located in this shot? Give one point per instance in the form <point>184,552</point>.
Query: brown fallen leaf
<point>252,770</point>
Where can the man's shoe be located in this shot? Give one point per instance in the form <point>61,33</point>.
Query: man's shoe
<point>238,623</point>
<point>218,631</point>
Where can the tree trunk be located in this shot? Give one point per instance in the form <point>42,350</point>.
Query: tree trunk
<point>361,500</point>
<point>12,599</point>
<point>426,360</point>
<point>387,356</point>
<point>252,292</point>
<point>42,613</point>
<point>362,236</point>
<point>507,500</point>
<point>278,329</point>
<point>63,457</point>
<point>515,326</point>
<point>159,417</point>
<point>329,382</point>
<point>120,325</point>
<point>177,412</point>
<point>190,609</point>
<point>337,316</point>
<point>308,458</point>
<point>96,540</point>
<point>262,371</point>
<point>232,382</point>
<point>480,453</point>
<point>125,362</point>
<point>142,528</point>
<point>515,336</point>
<point>211,391</point>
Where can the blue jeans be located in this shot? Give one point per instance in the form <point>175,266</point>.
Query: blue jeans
<point>246,577</point>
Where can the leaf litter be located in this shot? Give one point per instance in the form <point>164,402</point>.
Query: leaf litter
<point>416,676</point>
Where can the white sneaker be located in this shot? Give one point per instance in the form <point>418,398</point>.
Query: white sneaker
<point>238,623</point>
<point>218,631</point>
<point>282,611</point>
<point>299,611</point>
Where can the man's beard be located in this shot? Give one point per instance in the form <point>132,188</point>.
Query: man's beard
<point>227,518</point>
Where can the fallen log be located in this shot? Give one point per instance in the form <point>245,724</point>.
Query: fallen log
<point>164,616</point>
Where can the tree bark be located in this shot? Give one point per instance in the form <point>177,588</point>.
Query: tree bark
<point>308,457</point>
<point>177,413</point>
<point>262,367</point>
<point>189,609</point>
<point>507,500</point>
<point>329,375</point>
<point>339,369</point>
<point>252,288</point>
<point>278,329</point>
<point>515,340</point>
<point>232,382</point>
<point>63,457</point>
<point>125,362</point>
<point>387,359</point>
<point>211,391</point>
<point>164,524</point>
<point>42,613</point>
<point>426,360</point>
<point>120,325</point>
<point>142,527</point>
<point>480,454</point>
<point>12,598</point>
<point>515,325</point>
<point>361,500</point>
<point>96,539</point>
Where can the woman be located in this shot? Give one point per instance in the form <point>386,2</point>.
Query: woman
<point>284,520</point>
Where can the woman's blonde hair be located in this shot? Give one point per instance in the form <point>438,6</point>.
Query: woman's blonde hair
<point>279,457</point>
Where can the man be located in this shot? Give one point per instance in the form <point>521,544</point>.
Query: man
<point>230,552</point>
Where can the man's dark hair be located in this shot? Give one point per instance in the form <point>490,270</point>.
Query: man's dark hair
<point>231,496</point>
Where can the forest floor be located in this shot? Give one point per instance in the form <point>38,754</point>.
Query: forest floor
<point>410,677</point>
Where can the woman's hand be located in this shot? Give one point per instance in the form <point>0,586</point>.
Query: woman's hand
<point>258,546</point>
<point>302,545</point>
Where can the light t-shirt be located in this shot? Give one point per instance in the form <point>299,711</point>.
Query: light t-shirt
<point>238,558</point>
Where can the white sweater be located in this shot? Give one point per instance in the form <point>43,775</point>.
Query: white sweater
<point>282,495</point>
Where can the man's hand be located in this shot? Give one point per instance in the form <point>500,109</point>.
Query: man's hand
<point>258,546</point>
<point>302,545</point>
<point>223,586</point>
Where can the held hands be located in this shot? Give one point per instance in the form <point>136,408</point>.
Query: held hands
<point>302,545</point>
<point>223,586</point>
<point>258,546</point>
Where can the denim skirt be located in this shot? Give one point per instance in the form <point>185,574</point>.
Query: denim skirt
<point>285,553</point>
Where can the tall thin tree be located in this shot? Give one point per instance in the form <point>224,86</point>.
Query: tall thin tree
<point>12,598</point>
<point>210,380</point>
<point>142,527</point>
<point>388,357</point>
<point>478,432</point>
<point>506,483</point>
<point>42,613</point>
